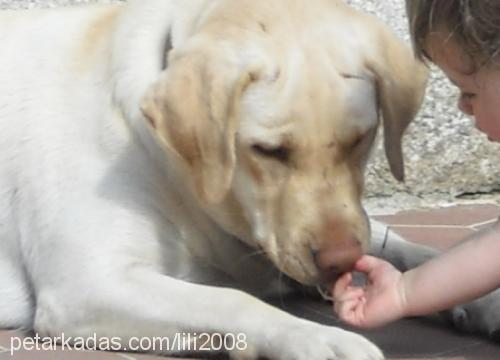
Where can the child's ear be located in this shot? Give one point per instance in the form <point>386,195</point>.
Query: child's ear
<point>401,80</point>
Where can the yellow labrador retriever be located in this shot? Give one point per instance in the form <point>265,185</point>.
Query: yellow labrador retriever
<point>153,153</point>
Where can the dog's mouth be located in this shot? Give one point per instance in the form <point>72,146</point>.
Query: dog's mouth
<point>290,266</point>
<point>330,276</point>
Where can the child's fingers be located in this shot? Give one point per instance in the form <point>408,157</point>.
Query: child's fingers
<point>343,291</point>
<point>367,264</point>
<point>341,285</point>
<point>348,311</point>
<point>351,293</point>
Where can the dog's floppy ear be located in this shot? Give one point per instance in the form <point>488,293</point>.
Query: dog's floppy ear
<point>401,81</point>
<point>193,110</point>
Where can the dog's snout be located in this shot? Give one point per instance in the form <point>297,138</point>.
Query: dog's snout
<point>337,257</point>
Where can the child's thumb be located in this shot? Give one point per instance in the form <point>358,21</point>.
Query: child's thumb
<point>367,264</point>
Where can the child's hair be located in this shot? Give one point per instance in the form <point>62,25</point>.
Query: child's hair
<point>474,25</point>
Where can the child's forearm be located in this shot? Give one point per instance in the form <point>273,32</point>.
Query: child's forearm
<point>467,271</point>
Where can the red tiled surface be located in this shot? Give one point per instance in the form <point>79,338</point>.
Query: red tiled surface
<point>441,227</point>
<point>460,215</point>
<point>440,238</point>
<point>407,339</point>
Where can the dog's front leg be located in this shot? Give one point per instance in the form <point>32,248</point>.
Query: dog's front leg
<point>401,253</point>
<point>142,303</point>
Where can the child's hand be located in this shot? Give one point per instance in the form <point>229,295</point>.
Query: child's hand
<point>381,301</point>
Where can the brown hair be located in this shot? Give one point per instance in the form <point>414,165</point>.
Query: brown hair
<point>473,24</point>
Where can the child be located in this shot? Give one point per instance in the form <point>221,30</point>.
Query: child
<point>462,37</point>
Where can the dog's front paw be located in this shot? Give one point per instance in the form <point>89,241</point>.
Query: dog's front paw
<point>317,342</point>
<point>480,316</point>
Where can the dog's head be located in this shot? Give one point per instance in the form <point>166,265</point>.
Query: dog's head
<point>272,108</point>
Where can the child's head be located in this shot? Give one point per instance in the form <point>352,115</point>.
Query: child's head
<point>462,37</point>
<point>473,24</point>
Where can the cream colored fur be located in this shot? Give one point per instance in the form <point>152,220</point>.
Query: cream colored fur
<point>152,150</point>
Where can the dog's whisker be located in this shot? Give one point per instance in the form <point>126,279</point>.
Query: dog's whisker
<point>249,256</point>
<point>280,290</point>
<point>324,294</point>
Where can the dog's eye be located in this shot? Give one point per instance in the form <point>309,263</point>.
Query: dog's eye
<point>279,153</point>
<point>363,142</point>
<point>357,142</point>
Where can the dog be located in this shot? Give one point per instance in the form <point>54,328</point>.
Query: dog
<point>164,162</point>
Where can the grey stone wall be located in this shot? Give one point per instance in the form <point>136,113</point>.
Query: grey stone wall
<point>446,158</point>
